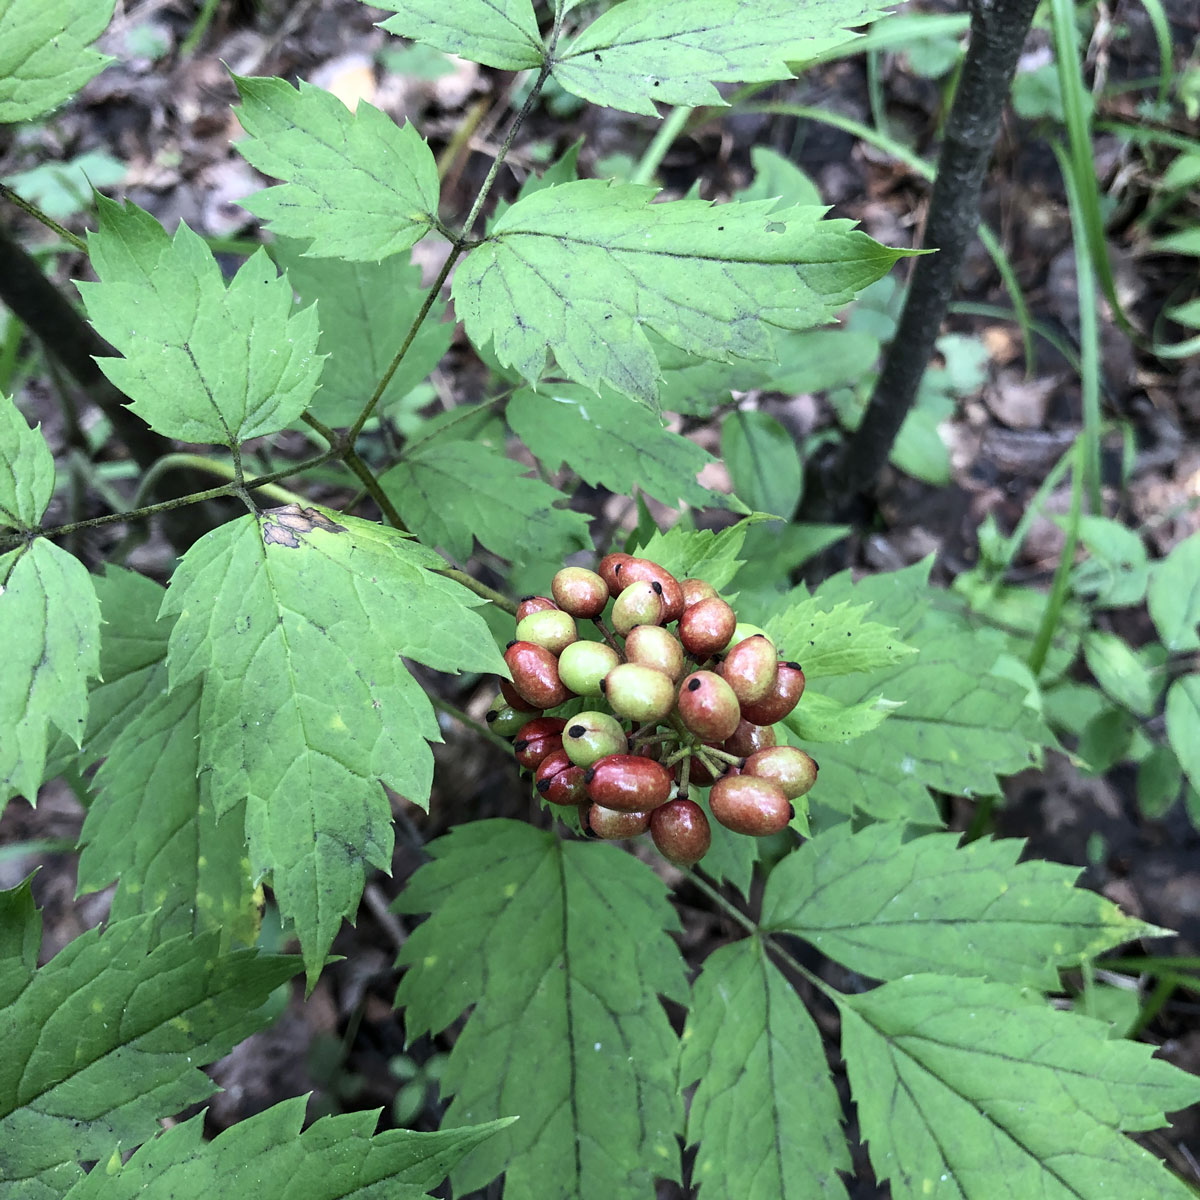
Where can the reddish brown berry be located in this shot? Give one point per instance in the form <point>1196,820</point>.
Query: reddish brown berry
<point>532,604</point>
<point>535,675</point>
<point>537,739</point>
<point>580,592</point>
<point>607,570</point>
<point>610,823</point>
<point>750,668</point>
<point>695,590</point>
<point>748,737</point>
<point>628,783</point>
<point>793,770</point>
<point>681,832</point>
<point>781,699</point>
<point>560,780</point>
<point>515,700</point>
<point>643,569</point>
<point>708,706</point>
<point>706,627</point>
<point>749,805</point>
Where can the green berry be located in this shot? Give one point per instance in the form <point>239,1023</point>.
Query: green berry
<point>670,590</point>
<point>639,693</point>
<point>641,603</point>
<point>742,631</point>
<point>582,666</point>
<point>654,646</point>
<point>551,628</point>
<point>503,719</point>
<point>590,736</point>
<point>793,770</point>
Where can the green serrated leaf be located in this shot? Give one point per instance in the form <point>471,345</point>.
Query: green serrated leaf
<point>749,1035</point>
<point>365,310</point>
<point>47,595</point>
<point>268,1156</point>
<point>202,362</point>
<point>585,269</point>
<point>777,178</point>
<point>1183,724</point>
<point>1036,1099</point>
<point>563,950</point>
<point>452,492</point>
<point>963,723</point>
<point>295,622</point>
<point>700,553</point>
<point>44,55</point>
<point>819,718</point>
<point>674,51</point>
<point>1174,596</point>
<point>833,639</point>
<point>763,462</point>
<point>886,907</point>
<point>109,1037</point>
<point>498,33</point>
<point>26,470</point>
<point>609,442</point>
<point>357,184</point>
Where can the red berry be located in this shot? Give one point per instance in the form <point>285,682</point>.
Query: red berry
<point>628,783</point>
<point>532,604</point>
<point>750,668</point>
<point>611,823</point>
<point>706,627</point>
<point>607,570</point>
<point>639,693</point>
<point>781,699</point>
<point>560,780</point>
<point>641,603</point>
<point>708,706</point>
<point>794,771</point>
<point>654,646</point>
<point>537,739</point>
<point>695,590</point>
<point>643,569</point>
<point>749,805</point>
<point>580,592</point>
<point>535,675</point>
<point>515,700</point>
<point>747,738</point>
<point>680,831</point>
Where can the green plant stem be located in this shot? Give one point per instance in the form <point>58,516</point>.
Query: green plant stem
<point>654,153</point>
<point>36,213</point>
<point>199,28</point>
<point>482,590</point>
<point>197,462</point>
<point>477,727</point>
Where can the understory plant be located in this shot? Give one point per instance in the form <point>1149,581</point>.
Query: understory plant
<point>252,724</point>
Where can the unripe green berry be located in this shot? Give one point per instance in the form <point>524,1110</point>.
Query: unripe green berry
<point>750,805</point>
<point>639,693</point>
<point>551,628</point>
<point>640,603</point>
<point>610,823</point>
<point>742,631</point>
<point>708,706</point>
<point>654,646</point>
<point>503,719</point>
<point>582,666</point>
<point>750,668</point>
<point>793,770</point>
<point>580,592</point>
<point>643,569</point>
<point>590,736</point>
<point>706,627</point>
<point>681,832</point>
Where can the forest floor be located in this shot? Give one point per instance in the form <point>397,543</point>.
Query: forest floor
<point>169,120</point>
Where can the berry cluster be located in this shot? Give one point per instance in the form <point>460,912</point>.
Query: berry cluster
<point>692,706</point>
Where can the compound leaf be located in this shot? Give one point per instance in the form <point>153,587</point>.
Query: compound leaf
<point>498,33</point>
<point>1036,1099</point>
<point>701,553</point>
<point>887,908</point>
<point>766,1114</point>
<point>611,443</point>
<point>586,268</point>
<point>563,950</point>
<point>44,55</point>
<point>357,184</point>
<point>366,310</point>
<point>833,640</point>
<point>962,724</point>
<point>47,595</point>
<point>26,470</point>
<point>451,492</point>
<point>109,1037</point>
<point>673,51</point>
<point>296,623</point>
<point>267,1156</point>
<point>202,362</point>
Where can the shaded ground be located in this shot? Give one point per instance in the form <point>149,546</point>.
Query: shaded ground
<point>170,121</point>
